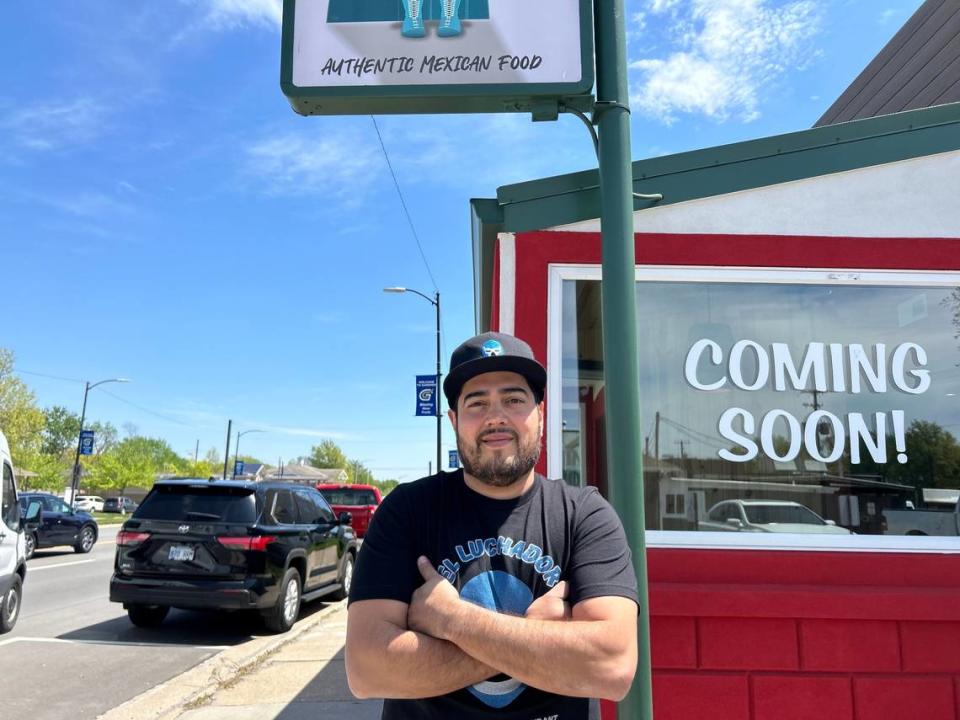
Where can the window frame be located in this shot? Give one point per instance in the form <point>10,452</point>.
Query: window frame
<point>559,273</point>
<point>13,499</point>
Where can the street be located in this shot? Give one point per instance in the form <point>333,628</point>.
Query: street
<point>75,654</point>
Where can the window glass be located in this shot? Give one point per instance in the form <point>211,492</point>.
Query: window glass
<point>216,504</point>
<point>9,509</point>
<point>832,408</point>
<point>309,509</point>
<point>350,496</point>
<point>280,507</point>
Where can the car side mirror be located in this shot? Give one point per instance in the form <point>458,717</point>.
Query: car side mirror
<point>735,522</point>
<point>830,522</point>
<point>345,518</point>
<point>31,519</point>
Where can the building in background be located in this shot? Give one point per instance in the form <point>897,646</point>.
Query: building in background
<point>798,304</point>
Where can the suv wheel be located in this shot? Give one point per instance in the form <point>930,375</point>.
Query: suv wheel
<point>284,613</point>
<point>86,540</point>
<point>147,616</point>
<point>10,605</point>
<point>346,578</point>
<point>30,543</point>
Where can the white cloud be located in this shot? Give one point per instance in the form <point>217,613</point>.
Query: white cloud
<point>235,13</point>
<point>887,15</point>
<point>53,126</point>
<point>722,55</point>
<point>335,164</point>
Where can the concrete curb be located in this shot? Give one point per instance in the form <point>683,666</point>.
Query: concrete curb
<point>193,687</point>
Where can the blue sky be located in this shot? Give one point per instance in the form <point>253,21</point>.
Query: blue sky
<point>165,216</point>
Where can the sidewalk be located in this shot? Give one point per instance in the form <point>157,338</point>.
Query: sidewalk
<point>297,678</point>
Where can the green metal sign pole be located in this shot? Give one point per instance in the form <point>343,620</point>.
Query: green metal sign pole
<point>620,357</point>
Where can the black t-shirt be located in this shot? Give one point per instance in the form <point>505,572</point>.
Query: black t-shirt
<point>500,554</point>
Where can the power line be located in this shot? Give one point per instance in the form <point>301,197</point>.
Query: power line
<point>403,202</point>
<point>51,377</point>
<point>143,409</point>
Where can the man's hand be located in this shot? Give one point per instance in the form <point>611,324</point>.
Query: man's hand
<point>434,604</point>
<point>552,606</point>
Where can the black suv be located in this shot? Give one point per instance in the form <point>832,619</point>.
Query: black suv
<point>59,525</point>
<point>231,545</point>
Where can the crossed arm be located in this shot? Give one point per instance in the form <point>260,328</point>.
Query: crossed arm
<point>439,643</point>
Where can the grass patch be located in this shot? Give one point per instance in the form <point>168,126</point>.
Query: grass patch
<point>109,518</point>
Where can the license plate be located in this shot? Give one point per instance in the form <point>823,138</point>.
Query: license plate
<point>184,553</point>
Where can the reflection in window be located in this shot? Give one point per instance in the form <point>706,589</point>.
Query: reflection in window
<point>814,407</point>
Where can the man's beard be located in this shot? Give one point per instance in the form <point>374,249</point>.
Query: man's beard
<point>500,470</point>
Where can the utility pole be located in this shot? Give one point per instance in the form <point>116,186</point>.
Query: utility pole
<point>621,360</point>
<point>226,455</point>
<point>656,437</point>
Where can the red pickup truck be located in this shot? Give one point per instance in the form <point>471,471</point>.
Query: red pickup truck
<point>361,501</point>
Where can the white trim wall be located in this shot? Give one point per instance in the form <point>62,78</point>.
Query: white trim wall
<point>508,282</point>
<point>910,198</point>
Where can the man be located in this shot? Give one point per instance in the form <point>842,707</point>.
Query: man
<point>492,591</point>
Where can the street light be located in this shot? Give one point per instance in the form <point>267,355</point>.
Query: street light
<point>236,450</point>
<point>435,301</point>
<point>75,480</point>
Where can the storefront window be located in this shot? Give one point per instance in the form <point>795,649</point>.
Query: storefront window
<point>779,402</point>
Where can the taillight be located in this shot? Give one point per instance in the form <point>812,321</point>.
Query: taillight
<point>128,538</point>
<point>256,543</point>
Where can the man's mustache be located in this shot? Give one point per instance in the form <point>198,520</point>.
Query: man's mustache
<point>504,431</point>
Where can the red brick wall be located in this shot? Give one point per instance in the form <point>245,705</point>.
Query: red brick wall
<point>837,636</point>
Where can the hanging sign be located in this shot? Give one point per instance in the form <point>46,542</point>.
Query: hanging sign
<point>86,442</point>
<point>349,57</point>
<point>426,395</point>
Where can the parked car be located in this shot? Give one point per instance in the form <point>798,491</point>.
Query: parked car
<point>120,504</point>
<point>231,545</point>
<point>13,527</point>
<point>361,501</point>
<point>59,525</point>
<point>89,503</point>
<point>768,516</point>
<point>925,521</point>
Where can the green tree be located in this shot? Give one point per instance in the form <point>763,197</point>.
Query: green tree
<point>104,436</point>
<point>328,455</point>
<point>134,462</point>
<point>52,472</point>
<point>61,430</point>
<point>20,418</point>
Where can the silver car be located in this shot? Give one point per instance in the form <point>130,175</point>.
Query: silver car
<point>768,516</point>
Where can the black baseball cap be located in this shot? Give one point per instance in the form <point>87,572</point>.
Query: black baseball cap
<point>493,352</point>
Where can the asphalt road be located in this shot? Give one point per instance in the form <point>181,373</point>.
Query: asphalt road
<point>74,654</point>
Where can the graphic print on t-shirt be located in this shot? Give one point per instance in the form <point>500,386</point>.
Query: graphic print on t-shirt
<point>499,591</point>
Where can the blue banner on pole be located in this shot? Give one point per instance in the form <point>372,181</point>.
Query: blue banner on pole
<point>86,442</point>
<point>454,459</point>
<point>426,395</point>
<point>238,467</point>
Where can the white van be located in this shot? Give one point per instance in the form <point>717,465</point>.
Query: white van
<point>13,563</point>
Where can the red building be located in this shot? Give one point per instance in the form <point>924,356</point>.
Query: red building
<point>798,307</point>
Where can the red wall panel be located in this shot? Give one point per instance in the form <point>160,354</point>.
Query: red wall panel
<point>797,697</point>
<point>673,642</point>
<point>930,647</point>
<point>692,697</point>
<point>748,644</point>
<point>887,698</point>
<point>850,645</point>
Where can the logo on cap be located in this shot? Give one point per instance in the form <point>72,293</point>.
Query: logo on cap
<point>492,348</point>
